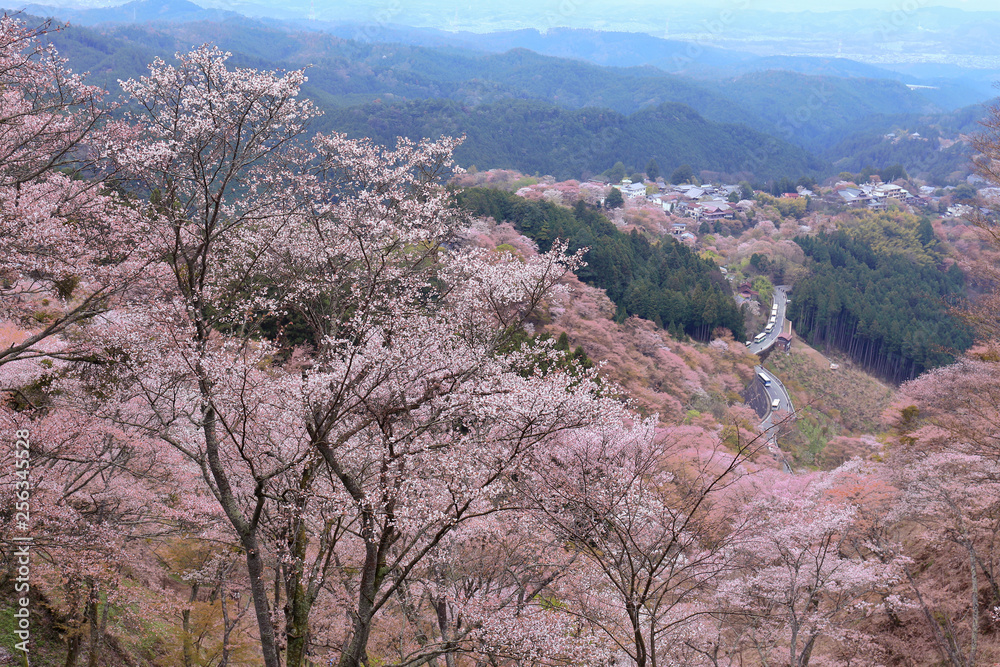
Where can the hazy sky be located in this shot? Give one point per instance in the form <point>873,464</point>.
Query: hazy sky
<point>664,18</point>
<point>618,6</point>
<point>634,15</point>
<point>884,5</point>
<point>485,6</point>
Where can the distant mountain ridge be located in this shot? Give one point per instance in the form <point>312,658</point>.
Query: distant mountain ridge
<point>809,111</point>
<point>678,57</point>
<point>698,59</point>
<point>137,11</point>
<point>815,112</point>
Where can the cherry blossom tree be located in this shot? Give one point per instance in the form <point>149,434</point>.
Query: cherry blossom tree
<point>401,437</point>
<point>217,572</point>
<point>946,468</point>
<point>962,400</point>
<point>953,498</point>
<point>68,247</point>
<point>648,525</point>
<point>489,589</point>
<point>800,583</point>
<point>216,151</point>
<point>98,499</point>
<point>327,354</point>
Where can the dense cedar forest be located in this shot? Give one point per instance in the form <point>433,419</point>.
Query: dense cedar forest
<point>880,293</point>
<point>664,281</point>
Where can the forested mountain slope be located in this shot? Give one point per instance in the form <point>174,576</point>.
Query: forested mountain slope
<point>880,292</point>
<point>513,117</point>
<point>815,111</point>
<point>951,86</point>
<point>536,137</point>
<point>928,145</point>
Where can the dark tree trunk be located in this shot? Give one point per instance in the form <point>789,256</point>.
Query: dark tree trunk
<point>247,532</point>
<point>299,593</point>
<point>73,643</point>
<point>186,627</point>
<point>371,577</point>
<point>95,630</point>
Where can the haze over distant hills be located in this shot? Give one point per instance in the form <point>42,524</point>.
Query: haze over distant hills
<point>138,11</point>
<point>954,52</point>
<point>379,78</point>
<point>891,35</point>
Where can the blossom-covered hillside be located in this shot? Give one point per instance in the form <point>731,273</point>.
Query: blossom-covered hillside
<point>273,397</point>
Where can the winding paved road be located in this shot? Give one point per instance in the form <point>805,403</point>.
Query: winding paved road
<point>775,392</point>
<point>780,298</point>
<point>764,396</point>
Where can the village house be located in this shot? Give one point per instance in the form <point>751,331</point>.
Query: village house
<point>959,211</point>
<point>669,201</point>
<point>890,191</point>
<point>746,291</point>
<point>716,210</point>
<point>631,190</point>
<point>853,197</point>
<point>691,191</point>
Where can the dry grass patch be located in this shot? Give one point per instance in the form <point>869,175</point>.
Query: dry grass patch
<point>847,396</point>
